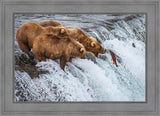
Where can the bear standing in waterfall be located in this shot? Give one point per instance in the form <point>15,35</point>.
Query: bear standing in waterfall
<point>89,43</point>
<point>29,31</point>
<point>54,47</point>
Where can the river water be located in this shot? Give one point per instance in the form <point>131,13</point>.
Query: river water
<point>85,80</point>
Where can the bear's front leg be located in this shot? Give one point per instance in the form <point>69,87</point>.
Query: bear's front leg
<point>24,47</point>
<point>70,59</point>
<point>63,62</point>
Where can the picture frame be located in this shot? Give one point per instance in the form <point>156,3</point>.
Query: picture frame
<point>152,105</point>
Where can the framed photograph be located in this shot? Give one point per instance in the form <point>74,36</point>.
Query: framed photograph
<point>79,58</point>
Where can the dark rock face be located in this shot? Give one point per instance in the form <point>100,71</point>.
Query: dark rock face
<point>25,64</point>
<point>104,57</point>
<point>133,45</point>
<point>90,57</point>
<point>127,18</point>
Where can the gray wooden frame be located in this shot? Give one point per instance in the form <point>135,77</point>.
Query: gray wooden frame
<point>152,105</point>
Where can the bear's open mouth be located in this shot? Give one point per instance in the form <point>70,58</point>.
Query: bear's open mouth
<point>97,55</point>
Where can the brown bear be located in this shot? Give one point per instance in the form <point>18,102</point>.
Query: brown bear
<point>88,42</point>
<point>29,31</point>
<point>53,47</point>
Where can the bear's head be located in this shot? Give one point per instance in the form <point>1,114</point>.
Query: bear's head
<point>88,42</point>
<point>81,53</point>
<point>58,31</point>
<point>77,49</point>
<point>95,47</point>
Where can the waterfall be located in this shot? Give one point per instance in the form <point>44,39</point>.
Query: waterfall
<point>83,79</point>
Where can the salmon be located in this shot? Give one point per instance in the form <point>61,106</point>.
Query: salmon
<point>114,58</point>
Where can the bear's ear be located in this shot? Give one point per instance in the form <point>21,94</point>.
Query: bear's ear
<point>81,50</point>
<point>93,44</point>
<point>62,30</point>
<point>91,37</point>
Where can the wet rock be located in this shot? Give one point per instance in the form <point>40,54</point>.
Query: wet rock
<point>110,28</point>
<point>134,31</point>
<point>119,59</point>
<point>106,23</point>
<point>102,56</point>
<point>127,18</point>
<point>24,64</point>
<point>24,59</point>
<point>73,15</point>
<point>39,16</point>
<point>90,57</point>
<point>133,45</point>
<point>119,14</point>
<point>114,20</point>
<point>88,31</point>
<point>31,70</point>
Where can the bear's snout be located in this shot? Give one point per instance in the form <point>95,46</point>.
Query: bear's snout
<point>84,56</point>
<point>103,51</point>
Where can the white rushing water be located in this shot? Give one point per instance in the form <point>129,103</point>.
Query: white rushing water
<point>83,79</point>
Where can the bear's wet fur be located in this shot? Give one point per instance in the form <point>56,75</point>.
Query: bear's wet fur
<point>88,42</point>
<point>53,47</point>
<point>29,31</point>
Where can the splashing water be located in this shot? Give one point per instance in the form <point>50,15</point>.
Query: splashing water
<point>83,79</point>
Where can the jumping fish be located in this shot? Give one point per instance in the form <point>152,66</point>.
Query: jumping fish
<point>114,58</point>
